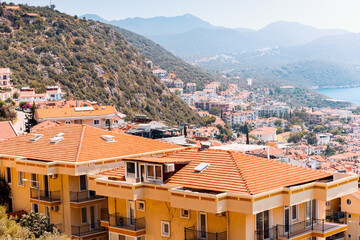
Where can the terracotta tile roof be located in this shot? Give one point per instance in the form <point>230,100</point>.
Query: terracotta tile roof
<point>70,112</point>
<point>238,173</point>
<point>80,143</point>
<point>115,173</point>
<point>164,159</point>
<point>7,130</point>
<point>44,125</point>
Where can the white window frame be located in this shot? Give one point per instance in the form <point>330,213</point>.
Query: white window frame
<point>33,207</point>
<point>184,216</point>
<point>21,178</point>
<point>163,233</point>
<point>6,175</point>
<point>136,170</point>
<point>155,175</point>
<point>34,184</point>
<point>98,122</point>
<point>138,208</point>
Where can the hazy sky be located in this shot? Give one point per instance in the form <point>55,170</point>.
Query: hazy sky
<point>229,13</point>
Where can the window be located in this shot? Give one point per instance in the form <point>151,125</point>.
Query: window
<point>107,122</point>
<point>35,207</point>
<point>130,169</point>
<point>140,205</point>
<point>348,201</point>
<point>83,183</point>
<point>33,183</point>
<point>83,215</point>
<point>8,175</point>
<point>21,178</point>
<point>96,122</point>
<point>122,237</point>
<point>349,216</point>
<point>349,236</point>
<point>67,122</point>
<point>9,205</point>
<point>158,172</point>
<point>165,229</point>
<point>185,213</point>
<point>150,171</point>
<point>294,215</point>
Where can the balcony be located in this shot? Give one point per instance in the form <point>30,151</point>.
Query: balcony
<point>321,227</point>
<point>45,196</point>
<point>192,234</point>
<point>87,230</point>
<point>84,196</point>
<point>118,221</point>
<point>336,216</point>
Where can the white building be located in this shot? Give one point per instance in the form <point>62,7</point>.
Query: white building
<point>272,110</point>
<point>191,87</point>
<point>5,78</point>
<point>160,73</point>
<point>265,133</point>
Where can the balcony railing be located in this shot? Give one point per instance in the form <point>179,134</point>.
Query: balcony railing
<point>83,196</point>
<point>48,196</point>
<point>192,234</point>
<point>336,216</point>
<point>296,229</point>
<point>86,229</point>
<point>116,220</point>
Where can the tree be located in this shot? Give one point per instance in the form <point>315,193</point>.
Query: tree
<point>311,138</point>
<point>279,130</point>
<point>31,222</point>
<point>246,131</point>
<point>329,151</point>
<point>4,191</point>
<point>319,128</point>
<point>209,119</point>
<point>185,131</point>
<point>278,123</point>
<point>30,119</point>
<point>215,111</point>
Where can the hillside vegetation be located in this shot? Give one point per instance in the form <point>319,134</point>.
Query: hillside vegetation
<point>88,59</point>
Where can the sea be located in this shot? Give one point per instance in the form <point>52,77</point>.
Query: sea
<point>348,94</point>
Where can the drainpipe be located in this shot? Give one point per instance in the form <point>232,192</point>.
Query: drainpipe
<point>227,225</point>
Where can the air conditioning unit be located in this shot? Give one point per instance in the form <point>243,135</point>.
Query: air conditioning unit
<point>169,167</point>
<point>54,208</point>
<point>53,176</point>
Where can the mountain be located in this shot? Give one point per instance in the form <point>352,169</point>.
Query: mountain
<point>90,60</point>
<point>166,60</point>
<point>157,25</point>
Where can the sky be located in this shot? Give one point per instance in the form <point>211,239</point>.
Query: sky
<point>253,14</point>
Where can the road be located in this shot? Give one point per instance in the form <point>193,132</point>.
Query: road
<point>20,123</point>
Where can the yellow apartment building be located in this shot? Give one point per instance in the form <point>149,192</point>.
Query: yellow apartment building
<point>350,204</point>
<point>218,195</point>
<point>59,160</point>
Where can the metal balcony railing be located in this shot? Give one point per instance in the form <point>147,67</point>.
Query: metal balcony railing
<point>48,196</point>
<point>192,234</point>
<point>291,230</point>
<point>336,216</point>
<point>86,229</point>
<point>83,196</point>
<point>116,220</point>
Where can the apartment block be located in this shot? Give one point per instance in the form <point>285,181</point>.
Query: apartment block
<point>47,172</point>
<point>222,195</point>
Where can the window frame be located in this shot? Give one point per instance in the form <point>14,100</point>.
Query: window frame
<point>21,182</point>
<point>138,203</point>
<point>86,215</point>
<point>135,167</point>
<point>37,207</point>
<point>96,120</point>
<point>86,183</point>
<point>12,205</point>
<point>292,213</point>
<point>184,216</point>
<point>163,233</point>
<point>8,175</point>
<point>155,178</point>
<point>34,184</point>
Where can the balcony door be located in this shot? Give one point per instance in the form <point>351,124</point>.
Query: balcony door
<point>92,217</point>
<point>286,220</point>
<point>46,186</point>
<point>202,225</point>
<point>263,225</point>
<point>131,212</point>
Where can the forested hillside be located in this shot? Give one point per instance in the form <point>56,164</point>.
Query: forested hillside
<point>88,59</point>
